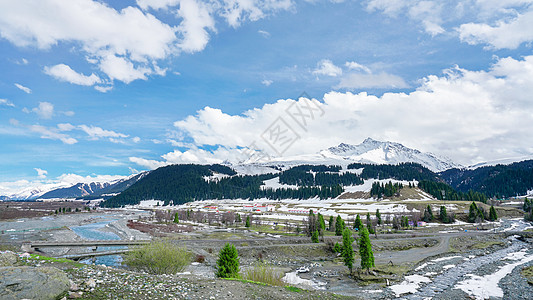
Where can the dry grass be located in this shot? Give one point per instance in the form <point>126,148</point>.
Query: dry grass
<point>265,273</point>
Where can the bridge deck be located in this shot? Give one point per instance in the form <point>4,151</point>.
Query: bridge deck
<point>89,243</point>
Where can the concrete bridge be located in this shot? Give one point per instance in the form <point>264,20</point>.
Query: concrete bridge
<point>35,246</point>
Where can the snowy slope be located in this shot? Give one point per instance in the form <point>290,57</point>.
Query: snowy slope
<point>369,151</point>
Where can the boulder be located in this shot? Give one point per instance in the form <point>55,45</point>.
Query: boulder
<point>32,283</point>
<point>8,259</point>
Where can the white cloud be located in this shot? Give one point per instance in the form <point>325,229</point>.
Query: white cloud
<point>267,82</point>
<point>381,80</point>
<point>99,30</point>
<point>136,139</point>
<point>5,102</point>
<point>41,173</point>
<point>264,33</point>
<point>196,156</point>
<point>65,127</point>
<point>470,116</point>
<point>503,35</point>
<point>327,68</point>
<point>352,65</point>
<point>45,110</point>
<point>97,132</point>
<point>23,88</point>
<point>52,134</point>
<point>65,73</point>
<point>68,113</point>
<point>103,89</point>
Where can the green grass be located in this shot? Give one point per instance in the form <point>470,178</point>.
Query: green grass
<point>265,273</point>
<point>293,289</point>
<point>55,260</point>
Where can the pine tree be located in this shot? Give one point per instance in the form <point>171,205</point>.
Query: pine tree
<point>339,226</point>
<point>443,216</point>
<point>493,216</point>
<point>473,212</point>
<point>369,223</point>
<point>247,221</point>
<point>321,222</point>
<point>238,218</point>
<point>176,219</point>
<point>365,250</point>
<point>331,223</point>
<point>228,262</point>
<point>314,237</point>
<point>428,214</point>
<point>347,250</point>
<point>358,224</point>
<point>378,216</point>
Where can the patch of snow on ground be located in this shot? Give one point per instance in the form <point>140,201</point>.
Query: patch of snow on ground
<point>516,255</point>
<point>446,258</point>
<point>275,184</point>
<point>294,279</point>
<point>446,267</point>
<point>150,203</point>
<point>409,285</point>
<point>484,287</point>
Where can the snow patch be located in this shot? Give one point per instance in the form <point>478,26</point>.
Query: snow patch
<point>410,285</point>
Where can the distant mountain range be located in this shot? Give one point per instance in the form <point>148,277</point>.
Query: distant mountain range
<point>370,151</point>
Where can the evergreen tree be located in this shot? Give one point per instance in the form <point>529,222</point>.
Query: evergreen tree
<point>365,250</point>
<point>369,223</point>
<point>176,219</point>
<point>339,226</point>
<point>247,221</point>
<point>428,214</point>
<point>405,222</point>
<point>314,237</point>
<point>337,248</point>
<point>239,220</point>
<point>378,216</point>
<point>321,222</point>
<point>358,224</point>
<point>331,223</point>
<point>228,262</point>
<point>493,216</point>
<point>347,250</point>
<point>443,216</point>
<point>472,212</point>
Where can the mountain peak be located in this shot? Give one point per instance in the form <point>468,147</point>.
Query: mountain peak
<point>378,152</point>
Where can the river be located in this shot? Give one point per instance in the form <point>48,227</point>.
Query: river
<point>93,232</point>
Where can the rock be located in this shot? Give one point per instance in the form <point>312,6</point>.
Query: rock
<point>73,286</point>
<point>32,283</point>
<point>8,259</point>
<point>91,283</point>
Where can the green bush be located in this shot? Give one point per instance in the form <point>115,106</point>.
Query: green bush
<point>265,273</point>
<point>159,257</point>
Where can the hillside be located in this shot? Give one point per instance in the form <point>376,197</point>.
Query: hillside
<point>494,181</point>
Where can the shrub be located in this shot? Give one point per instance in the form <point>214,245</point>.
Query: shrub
<point>159,257</point>
<point>265,273</point>
<point>199,259</point>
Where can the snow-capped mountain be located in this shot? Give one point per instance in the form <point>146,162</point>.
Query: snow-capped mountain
<point>72,188</point>
<point>369,151</point>
<point>377,152</point>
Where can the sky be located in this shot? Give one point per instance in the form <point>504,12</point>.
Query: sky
<point>93,89</point>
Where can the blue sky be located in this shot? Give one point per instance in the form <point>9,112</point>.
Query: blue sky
<point>112,87</point>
